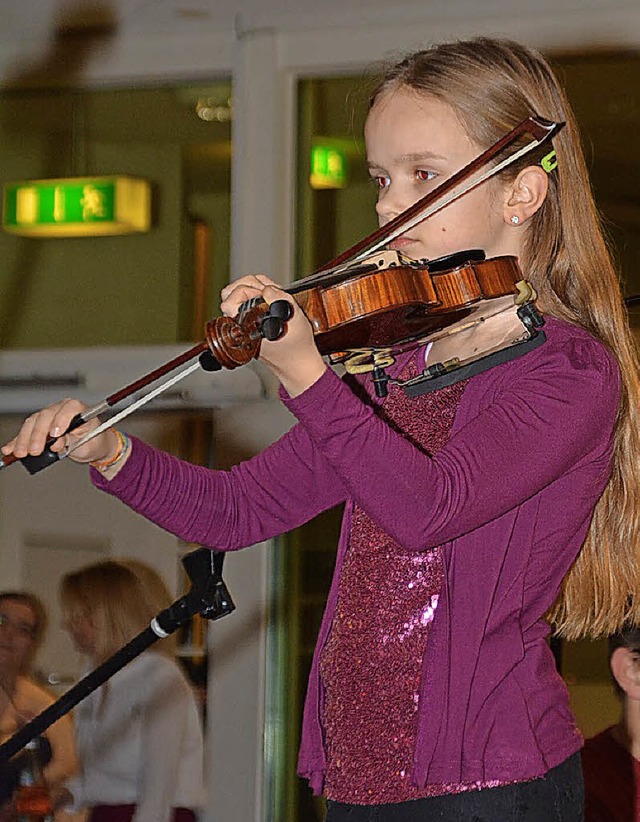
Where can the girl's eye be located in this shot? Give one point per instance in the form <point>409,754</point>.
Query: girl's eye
<point>380,181</point>
<point>425,176</point>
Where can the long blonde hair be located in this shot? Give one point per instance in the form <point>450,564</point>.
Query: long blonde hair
<point>494,84</point>
<point>120,597</point>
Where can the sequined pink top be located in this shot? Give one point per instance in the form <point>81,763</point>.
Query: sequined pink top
<point>371,663</point>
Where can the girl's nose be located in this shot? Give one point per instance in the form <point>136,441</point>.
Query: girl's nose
<point>390,205</point>
<point>385,212</point>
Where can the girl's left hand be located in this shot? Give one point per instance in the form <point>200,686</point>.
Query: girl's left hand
<point>294,358</point>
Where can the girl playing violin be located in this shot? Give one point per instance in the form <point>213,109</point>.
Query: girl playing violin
<point>474,513</point>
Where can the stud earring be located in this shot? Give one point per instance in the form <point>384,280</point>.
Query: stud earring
<point>515,219</point>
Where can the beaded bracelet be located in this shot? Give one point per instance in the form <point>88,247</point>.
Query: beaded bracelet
<point>124,443</point>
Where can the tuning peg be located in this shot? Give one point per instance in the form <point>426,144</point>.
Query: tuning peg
<point>274,323</point>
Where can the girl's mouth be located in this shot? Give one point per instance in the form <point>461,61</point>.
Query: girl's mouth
<point>401,242</point>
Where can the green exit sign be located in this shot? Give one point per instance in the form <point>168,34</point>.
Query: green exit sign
<point>328,167</point>
<point>77,207</point>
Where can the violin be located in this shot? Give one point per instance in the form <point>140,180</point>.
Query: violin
<point>366,298</point>
<point>390,300</point>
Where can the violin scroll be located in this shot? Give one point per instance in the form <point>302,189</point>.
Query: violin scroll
<point>235,341</point>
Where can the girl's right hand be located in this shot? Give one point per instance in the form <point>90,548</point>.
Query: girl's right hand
<point>53,421</point>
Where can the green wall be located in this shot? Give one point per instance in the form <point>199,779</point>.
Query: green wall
<point>130,290</point>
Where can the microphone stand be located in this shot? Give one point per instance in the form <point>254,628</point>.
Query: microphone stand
<point>208,596</point>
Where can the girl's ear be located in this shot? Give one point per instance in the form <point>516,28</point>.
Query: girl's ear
<point>625,667</point>
<point>525,195</point>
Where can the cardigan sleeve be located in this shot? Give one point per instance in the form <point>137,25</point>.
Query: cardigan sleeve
<point>281,488</point>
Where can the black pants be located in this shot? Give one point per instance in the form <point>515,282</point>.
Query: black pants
<point>557,797</point>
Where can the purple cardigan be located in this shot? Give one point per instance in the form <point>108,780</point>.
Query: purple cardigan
<point>509,498</point>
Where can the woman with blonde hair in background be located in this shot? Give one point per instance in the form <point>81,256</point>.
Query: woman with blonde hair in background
<point>139,736</point>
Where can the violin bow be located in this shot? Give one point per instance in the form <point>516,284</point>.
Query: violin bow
<point>540,130</point>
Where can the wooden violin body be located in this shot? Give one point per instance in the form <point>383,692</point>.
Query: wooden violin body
<point>385,303</point>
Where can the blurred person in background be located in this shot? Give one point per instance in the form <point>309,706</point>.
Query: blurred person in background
<point>139,736</point>
<point>22,627</point>
<point>611,759</point>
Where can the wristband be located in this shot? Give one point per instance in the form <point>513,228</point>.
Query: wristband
<point>124,443</point>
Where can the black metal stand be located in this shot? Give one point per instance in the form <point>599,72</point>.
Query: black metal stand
<point>207,596</point>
